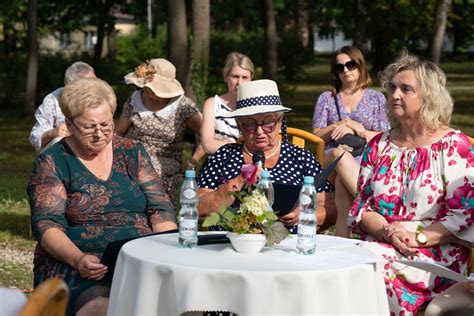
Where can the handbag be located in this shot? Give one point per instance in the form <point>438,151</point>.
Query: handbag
<point>349,142</point>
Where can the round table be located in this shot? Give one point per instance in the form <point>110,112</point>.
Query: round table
<point>154,276</point>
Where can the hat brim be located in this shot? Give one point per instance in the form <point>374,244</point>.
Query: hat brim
<point>255,110</point>
<point>161,86</point>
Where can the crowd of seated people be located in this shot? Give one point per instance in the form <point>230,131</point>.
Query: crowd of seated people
<point>411,196</point>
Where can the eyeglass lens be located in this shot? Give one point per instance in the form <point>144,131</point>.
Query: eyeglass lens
<point>266,126</point>
<point>350,65</point>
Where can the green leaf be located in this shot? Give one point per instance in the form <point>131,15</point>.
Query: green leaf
<point>275,233</point>
<point>211,220</point>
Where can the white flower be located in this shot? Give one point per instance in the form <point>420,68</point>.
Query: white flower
<point>255,203</point>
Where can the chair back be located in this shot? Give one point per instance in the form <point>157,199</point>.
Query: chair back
<point>48,299</point>
<point>302,139</point>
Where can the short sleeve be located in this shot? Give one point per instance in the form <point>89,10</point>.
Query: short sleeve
<point>380,120</point>
<point>321,110</point>
<point>187,108</point>
<point>47,197</point>
<point>458,174</point>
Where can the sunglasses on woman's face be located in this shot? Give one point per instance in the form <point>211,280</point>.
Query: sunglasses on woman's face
<point>350,65</point>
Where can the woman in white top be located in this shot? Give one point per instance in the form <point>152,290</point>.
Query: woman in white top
<point>217,130</point>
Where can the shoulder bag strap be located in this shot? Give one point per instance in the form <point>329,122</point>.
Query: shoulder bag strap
<point>337,108</point>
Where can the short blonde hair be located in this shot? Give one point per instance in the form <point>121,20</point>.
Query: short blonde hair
<point>237,59</point>
<point>437,103</point>
<point>85,93</point>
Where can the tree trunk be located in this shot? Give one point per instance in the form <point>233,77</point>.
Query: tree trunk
<point>178,40</point>
<point>360,35</point>
<point>271,63</point>
<point>32,75</point>
<point>303,25</point>
<point>201,28</point>
<point>111,46</point>
<point>439,29</point>
<point>98,46</point>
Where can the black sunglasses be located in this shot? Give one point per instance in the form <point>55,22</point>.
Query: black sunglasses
<point>350,65</point>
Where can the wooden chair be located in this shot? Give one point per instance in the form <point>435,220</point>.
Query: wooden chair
<point>48,299</point>
<point>301,138</point>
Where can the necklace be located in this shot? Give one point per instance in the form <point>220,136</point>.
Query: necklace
<point>273,152</point>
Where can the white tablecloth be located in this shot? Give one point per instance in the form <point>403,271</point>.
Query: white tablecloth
<point>153,276</point>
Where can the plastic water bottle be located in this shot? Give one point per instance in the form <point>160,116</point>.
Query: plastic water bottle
<point>188,214</point>
<point>266,187</point>
<point>307,221</point>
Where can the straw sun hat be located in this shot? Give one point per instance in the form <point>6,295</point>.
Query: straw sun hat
<point>157,74</point>
<point>257,97</point>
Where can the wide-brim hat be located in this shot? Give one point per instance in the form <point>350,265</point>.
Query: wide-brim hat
<point>257,97</point>
<point>157,74</point>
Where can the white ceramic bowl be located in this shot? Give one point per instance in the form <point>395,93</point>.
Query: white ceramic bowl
<point>247,243</point>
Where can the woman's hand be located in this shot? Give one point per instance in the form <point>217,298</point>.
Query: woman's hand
<point>290,218</point>
<point>61,131</point>
<point>340,131</point>
<point>89,267</point>
<point>399,237</point>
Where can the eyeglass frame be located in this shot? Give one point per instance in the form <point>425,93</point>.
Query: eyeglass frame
<point>95,128</point>
<point>261,124</point>
<point>350,65</point>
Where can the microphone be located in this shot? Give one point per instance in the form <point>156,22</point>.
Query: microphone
<point>258,158</point>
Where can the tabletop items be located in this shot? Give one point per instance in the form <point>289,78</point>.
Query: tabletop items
<point>308,201</point>
<point>188,214</point>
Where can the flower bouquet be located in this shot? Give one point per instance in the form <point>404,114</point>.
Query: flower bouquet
<point>254,215</point>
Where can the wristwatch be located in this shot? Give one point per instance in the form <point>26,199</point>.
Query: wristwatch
<point>421,238</point>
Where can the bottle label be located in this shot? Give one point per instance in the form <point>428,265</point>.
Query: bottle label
<point>189,193</point>
<point>187,228</point>
<point>305,199</point>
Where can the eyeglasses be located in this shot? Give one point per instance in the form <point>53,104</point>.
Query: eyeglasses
<point>350,65</point>
<point>105,127</point>
<point>267,127</point>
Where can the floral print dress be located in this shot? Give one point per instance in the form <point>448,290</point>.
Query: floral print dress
<point>162,134</point>
<point>92,212</point>
<point>418,187</point>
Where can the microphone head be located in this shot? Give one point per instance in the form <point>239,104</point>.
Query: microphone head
<point>258,157</point>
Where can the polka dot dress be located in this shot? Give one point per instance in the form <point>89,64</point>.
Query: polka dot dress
<point>294,163</point>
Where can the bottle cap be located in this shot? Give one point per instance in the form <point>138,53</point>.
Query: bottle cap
<point>308,180</point>
<point>190,174</point>
<point>265,174</point>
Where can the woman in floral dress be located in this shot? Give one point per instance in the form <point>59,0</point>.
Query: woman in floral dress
<point>157,115</point>
<point>416,186</point>
<point>362,113</point>
<point>87,190</point>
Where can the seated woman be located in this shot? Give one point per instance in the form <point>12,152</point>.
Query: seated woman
<point>260,116</point>
<point>217,130</point>
<point>157,114</point>
<point>415,187</point>
<point>88,189</point>
<point>350,108</point>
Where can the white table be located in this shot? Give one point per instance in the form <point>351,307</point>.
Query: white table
<point>153,276</point>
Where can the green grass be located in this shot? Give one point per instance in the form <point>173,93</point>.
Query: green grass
<point>17,155</point>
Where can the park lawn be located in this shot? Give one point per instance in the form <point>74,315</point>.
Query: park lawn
<point>17,155</point>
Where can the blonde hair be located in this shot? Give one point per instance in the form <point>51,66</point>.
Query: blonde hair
<point>356,55</point>
<point>437,103</point>
<point>85,93</point>
<point>237,59</point>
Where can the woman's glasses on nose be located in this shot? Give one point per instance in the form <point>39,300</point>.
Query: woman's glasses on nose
<point>267,127</point>
<point>350,65</point>
<point>105,128</point>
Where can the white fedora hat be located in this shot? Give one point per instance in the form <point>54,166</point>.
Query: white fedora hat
<point>257,97</point>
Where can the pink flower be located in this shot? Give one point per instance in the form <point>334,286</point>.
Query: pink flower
<point>466,150</point>
<point>463,197</point>
<point>249,173</point>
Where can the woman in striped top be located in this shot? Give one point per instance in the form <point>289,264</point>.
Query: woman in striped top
<point>215,129</point>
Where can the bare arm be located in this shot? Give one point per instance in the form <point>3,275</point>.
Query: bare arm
<point>325,132</point>
<point>210,200</point>
<point>208,140</point>
<point>195,123</point>
<point>122,125</point>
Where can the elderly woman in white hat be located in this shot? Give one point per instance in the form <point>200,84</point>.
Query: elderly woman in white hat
<point>260,117</point>
<point>158,114</point>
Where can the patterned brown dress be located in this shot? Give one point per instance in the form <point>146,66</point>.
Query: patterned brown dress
<point>162,135</point>
<point>92,212</point>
